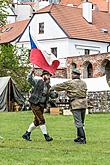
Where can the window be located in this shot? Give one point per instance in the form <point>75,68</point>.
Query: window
<point>87,51</point>
<point>54,51</point>
<point>41,28</point>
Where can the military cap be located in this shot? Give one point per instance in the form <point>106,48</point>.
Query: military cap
<point>76,70</point>
<point>45,72</point>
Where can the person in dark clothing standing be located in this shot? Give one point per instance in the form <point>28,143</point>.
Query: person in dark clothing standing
<point>38,100</point>
<point>76,91</point>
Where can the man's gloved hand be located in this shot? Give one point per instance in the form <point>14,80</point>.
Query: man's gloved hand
<point>53,94</point>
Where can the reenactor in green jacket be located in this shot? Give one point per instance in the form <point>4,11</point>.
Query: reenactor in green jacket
<point>38,100</point>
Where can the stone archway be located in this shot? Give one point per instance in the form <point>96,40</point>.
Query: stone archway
<point>106,68</point>
<point>88,70</point>
<point>72,67</point>
<point>90,65</point>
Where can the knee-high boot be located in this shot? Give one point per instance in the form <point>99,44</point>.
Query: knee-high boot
<point>82,135</point>
<point>78,136</point>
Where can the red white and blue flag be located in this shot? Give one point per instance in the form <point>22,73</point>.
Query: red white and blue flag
<point>37,58</point>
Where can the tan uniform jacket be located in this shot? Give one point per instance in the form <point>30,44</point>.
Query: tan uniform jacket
<point>76,91</point>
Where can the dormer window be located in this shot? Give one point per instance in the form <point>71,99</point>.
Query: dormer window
<point>104,30</point>
<point>41,28</point>
<point>6,30</point>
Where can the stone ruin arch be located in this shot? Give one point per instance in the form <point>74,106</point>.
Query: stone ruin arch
<point>72,66</point>
<point>87,70</point>
<point>105,67</point>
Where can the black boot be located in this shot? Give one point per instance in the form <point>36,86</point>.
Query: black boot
<point>48,138</point>
<point>26,136</point>
<point>82,139</point>
<point>78,136</point>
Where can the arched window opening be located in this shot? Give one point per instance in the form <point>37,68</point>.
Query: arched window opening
<point>90,71</point>
<point>73,66</point>
<point>105,66</point>
<point>107,70</point>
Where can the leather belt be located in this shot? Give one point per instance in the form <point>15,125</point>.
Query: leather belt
<point>71,99</point>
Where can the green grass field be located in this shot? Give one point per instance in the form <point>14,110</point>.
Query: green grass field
<point>62,150</point>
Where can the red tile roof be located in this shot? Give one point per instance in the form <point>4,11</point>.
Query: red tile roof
<point>27,3</point>
<point>102,4</point>
<point>74,2</point>
<point>75,26</point>
<point>12,31</point>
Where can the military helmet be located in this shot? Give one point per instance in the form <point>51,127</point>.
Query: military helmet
<point>76,70</point>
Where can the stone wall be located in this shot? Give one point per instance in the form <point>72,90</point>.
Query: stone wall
<point>99,101</point>
<point>61,73</point>
<point>97,61</point>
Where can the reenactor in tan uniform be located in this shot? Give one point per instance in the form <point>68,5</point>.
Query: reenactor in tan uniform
<point>76,91</point>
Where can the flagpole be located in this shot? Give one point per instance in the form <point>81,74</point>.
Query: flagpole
<point>33,69</point>
<point>33,66</point>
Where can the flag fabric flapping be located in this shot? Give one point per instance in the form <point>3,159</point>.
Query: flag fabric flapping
<point>37,58</point>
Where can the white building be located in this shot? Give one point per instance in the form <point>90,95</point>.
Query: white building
<point>68,31</point>
<point>86,32</point>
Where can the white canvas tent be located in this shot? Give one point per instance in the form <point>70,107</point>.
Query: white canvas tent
<point>93,84</point>
<point>97,84</point>
<point>9,94</point>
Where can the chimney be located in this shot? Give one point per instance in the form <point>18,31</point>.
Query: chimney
<point>43,3</point>
<point>87,11</point>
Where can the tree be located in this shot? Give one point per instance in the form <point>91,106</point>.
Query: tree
<point>3,13</point>
<point>10,61</point>
<point>10,65</point>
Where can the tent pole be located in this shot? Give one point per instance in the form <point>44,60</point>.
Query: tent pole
<point>9,96</point>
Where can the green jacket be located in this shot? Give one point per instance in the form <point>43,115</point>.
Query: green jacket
<point>76,90</point>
